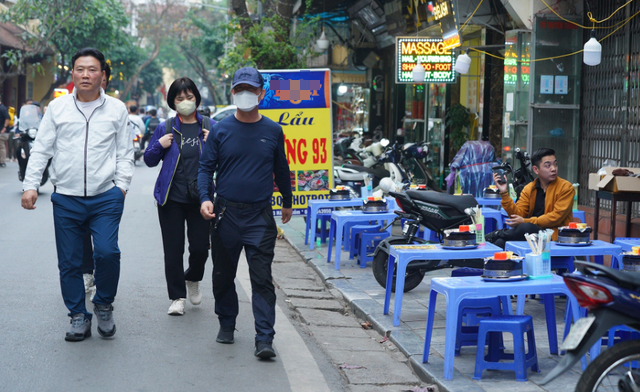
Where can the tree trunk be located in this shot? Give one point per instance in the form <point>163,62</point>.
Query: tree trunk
<point>201,70</point>
<point>129,85</point>
<point>240,8</point>
<point>284,11</point>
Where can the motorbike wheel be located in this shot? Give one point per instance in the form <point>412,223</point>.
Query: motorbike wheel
<point>411,280</point>
<point>613,369</point>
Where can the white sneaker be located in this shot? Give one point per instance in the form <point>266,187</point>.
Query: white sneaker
<point>88,282</point>
<point>193,292</point>
<point>177,307</point>
<point>92,289</point>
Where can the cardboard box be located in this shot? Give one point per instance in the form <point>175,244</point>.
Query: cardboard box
<point>611,183</point>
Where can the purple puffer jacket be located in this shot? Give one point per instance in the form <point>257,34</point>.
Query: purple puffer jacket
<point>155,152</point>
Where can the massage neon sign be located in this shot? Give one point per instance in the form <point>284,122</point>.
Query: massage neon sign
<point>437,61</point>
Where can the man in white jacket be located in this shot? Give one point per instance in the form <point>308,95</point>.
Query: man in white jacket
<point>87,137</point>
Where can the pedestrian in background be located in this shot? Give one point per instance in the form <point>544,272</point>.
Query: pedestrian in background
<point>4,132</point>
<point>88,265</point>
<point>87,136</point>
<point>178,143</point>
<point>246,148</point>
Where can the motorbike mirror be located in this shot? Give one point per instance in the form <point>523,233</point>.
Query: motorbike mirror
<point>384,142</point>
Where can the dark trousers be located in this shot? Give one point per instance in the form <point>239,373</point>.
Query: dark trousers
<point>255,231</point>
<point>87,254</point>
<point>71,216</point>
<point>172,217</point>
<point>516,234</point>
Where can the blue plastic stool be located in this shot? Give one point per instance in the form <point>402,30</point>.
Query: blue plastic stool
<point>347,238</point>
<point>354,249</point>
<point>366,243</point>
<point>516,325</point>
<point>324,219</point>
<point>470,309</point>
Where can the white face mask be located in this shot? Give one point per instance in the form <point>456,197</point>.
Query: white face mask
<point>186,107</point>
<point>245,100</point>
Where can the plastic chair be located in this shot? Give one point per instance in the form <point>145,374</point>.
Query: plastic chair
<point>324,232</point>
<point>354,248</point>
<point>516,325</point>
<point>366,242</point>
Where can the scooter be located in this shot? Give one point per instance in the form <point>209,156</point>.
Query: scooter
<point>435,210</point>
<point>30,117</point>
<point>612,298</point>
<point>137,149</point>
<point>413,156</point>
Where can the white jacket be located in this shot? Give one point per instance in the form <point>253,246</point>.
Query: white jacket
<point>90,156</point>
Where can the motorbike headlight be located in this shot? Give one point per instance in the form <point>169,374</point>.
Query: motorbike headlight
<point>32,132</point>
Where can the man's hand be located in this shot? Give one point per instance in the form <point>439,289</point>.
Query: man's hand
<point>515,221</point>
<point>123,192</point>
<point>286,215</point>
<point>206,133</point>
<point>502,188</point>
<point>206,210</point>
<point>166,140</point>
<point>29,199</point>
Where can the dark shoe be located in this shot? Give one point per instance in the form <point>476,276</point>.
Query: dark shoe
<point>106,325</point>
<point>80,328</point>
<point>264,350</point>
<point>225,335</point>
<point>3,165</point>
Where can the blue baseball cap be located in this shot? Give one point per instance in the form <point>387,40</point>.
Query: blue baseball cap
<point>248,75</point>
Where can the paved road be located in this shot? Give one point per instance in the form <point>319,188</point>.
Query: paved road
<point>151,351</point>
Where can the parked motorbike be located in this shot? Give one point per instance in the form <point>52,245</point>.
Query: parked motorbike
<point>344,151</point>
<point>29,122</point>
<point>413,157</point>
<point>435,210</point>
<point>611,296</point>
<point>521,176</point>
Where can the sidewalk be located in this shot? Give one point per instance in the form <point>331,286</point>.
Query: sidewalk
<point>366,299</point>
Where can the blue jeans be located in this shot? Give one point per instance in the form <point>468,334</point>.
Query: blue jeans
<point>101,214</point>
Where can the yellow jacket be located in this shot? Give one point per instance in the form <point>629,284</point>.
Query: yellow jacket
<point>558,205</point>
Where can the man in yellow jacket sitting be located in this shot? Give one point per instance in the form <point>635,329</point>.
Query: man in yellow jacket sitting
<point>545,203</point>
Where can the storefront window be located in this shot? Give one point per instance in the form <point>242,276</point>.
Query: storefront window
<point>352,114</point>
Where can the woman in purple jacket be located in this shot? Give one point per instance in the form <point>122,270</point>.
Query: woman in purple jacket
<point>176,192</point>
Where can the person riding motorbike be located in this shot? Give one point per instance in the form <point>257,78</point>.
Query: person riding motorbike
<point>544,203</point>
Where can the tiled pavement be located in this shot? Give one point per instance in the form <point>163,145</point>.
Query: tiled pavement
<point>366,297</point>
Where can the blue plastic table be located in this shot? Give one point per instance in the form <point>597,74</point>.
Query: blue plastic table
<point>627,243</point>
<point>339,218</point>
<point>402,255</point>
<point>484,201</point>
<point>456,290</point>
<point>598,249</point>
<point>312,214</point>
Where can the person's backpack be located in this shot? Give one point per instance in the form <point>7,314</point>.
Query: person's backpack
<point>206,124</point>
<point>152,124</point>
<point>12,115</point>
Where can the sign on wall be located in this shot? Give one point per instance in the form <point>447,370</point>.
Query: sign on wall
<point>444,13</point>
<point>437,61</point>
<point>300,101</point>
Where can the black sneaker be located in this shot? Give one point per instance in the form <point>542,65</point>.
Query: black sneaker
<point>264,350</point>
<point>80,328</point>
<point>106,325</point>
<point>225,335</point>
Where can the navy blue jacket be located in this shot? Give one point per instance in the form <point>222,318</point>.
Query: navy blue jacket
<point>246,158</point>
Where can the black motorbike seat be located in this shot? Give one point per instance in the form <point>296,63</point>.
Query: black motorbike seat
<point>380,173</point>
<point>460,203</point>
<point>632,281</point>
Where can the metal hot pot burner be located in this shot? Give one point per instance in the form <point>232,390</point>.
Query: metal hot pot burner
<point>339,194</point>
<point>581,234</point>
<point>492,193</point>
<point>462,237</point>
<point>373,205</point>
<point>501,268</point>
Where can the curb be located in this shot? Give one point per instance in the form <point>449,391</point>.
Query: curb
<point>367,309</point>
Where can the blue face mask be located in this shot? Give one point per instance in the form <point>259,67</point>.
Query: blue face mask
<point>245,100</point>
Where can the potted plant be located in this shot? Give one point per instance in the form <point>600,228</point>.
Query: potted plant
<point>457,120</point>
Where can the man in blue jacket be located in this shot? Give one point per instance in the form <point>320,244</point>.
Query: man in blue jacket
<point>246,151</point>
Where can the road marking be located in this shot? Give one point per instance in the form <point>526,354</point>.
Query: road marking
<point>302,370</point>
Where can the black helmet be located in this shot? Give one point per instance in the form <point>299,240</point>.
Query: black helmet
<point>204,110</point>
